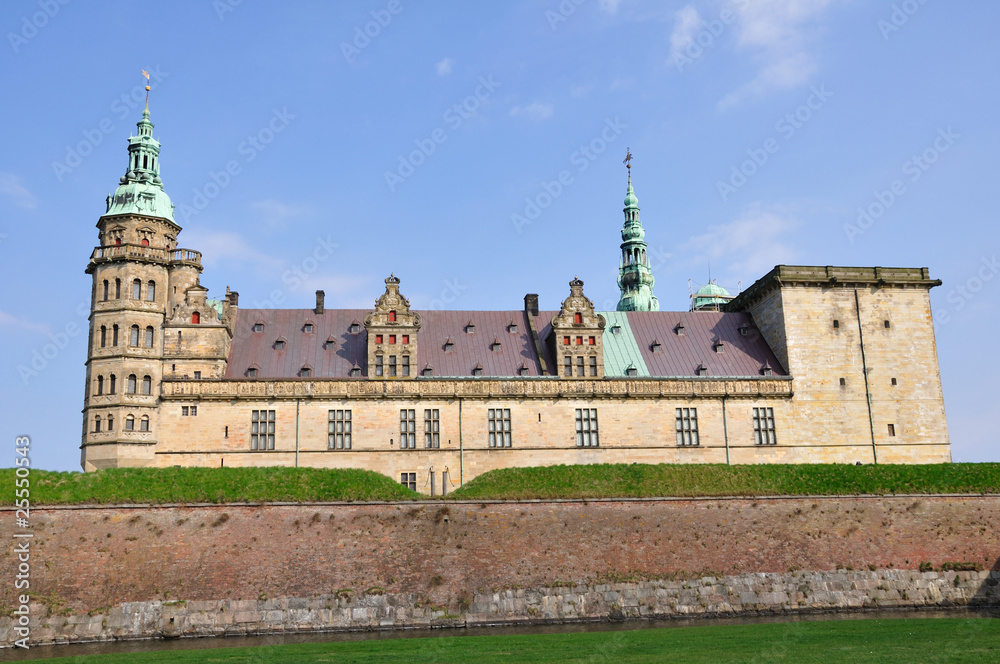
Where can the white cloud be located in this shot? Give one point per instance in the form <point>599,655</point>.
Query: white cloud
<point>777,34</point>
<point>10,185</point>
<point>444,67</point>
<point>536,112</point>
<point>686,25</point>
<point>275,214</point>
<point>746,248</point>
<point>8,320</point>
<point>610,6</point>
<point>219,247</point>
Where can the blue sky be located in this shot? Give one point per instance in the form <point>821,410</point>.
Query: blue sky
<point>475,150</point>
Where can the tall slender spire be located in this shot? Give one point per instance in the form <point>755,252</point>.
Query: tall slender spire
<point>635,278</point>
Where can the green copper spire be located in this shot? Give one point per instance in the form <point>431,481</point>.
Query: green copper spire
<point>140,190</point>
<point>635,279</point>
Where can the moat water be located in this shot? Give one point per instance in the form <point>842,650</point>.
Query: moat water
<point>147,645</point>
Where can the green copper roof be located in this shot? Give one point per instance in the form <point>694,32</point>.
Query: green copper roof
<point>710,295</point>
<point>140,190</point>
<point>630,200</point>
<point>620,349</point>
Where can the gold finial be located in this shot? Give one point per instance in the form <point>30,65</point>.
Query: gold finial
<point>146,74</point>
<point>628,161</point>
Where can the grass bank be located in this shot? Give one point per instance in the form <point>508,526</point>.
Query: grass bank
<point>827,642</point>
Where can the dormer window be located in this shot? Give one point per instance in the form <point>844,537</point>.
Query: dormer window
<point>766,370</point>
<point>449,345</point>
<point>305,372</point>
<point>744,330</point>
<point>331,344</point>
<point>616,329</point>
<point>679,330</point>
<point>522,370</point>
<point>656,347</point>
<point>355,371</point>
<point>252,372</point>
<point>470,328</point>
<point>428,370</point>
<point>477,370</point>
<point>307,328</point>
<point>495,346</point>
<point>354,328</point>
<point>701,370</point>
<point>631,371</point>
<point>512,327</point>
<point>719,347</point>
<point>258,327</point>
<point>279,344</point>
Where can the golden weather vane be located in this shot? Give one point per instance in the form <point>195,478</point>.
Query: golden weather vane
<point>146,74</point>
<point>628,160</point>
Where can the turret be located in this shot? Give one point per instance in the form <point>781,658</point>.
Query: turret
<point>635,278</point>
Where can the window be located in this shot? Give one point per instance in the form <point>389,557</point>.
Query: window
<point>701,370</point>
<point>100,385</point>
<point>392,338</point>
<point>512,328</point>
<point>591,341</point>
<point>427,371</point>
<point>189,411</point>
<point>118,289</point>
<point>432,428</point>
<point>843,382</point>
<point>147,385</point>
<point>196,318</point>
<point>111,422</point>
<point>763,426</point>
<point>579,341</point>
<point>406,365</point>
<point>378,338</point>
<point>129,423</point>
<point>892,430</point>
<point>258,327</point>
<point>197,375</point>
<point>279,344</point>
<point>330,344</point>
<point>339,431</point>
<point>719,347</point>
<point>836,323</point>
<point>97,424</point>
<point>305,372</point>
<point>378,365</point>
<point>133,338</point>
<point>355,371</point>
<point>766,370</point>
<point>679,330</point>
<point>105,298</point>
<point>522,371</point>
<point>477,370</point>
<point>151,291</point>
<point>307,328</point>
<point>405,339</point>
<point>409,480</point>
<point>744,330</point>
<point>470,328</point>
<point>407,429</point>
<point>144,423</point>
<point>495,346</point>
<point>130,384</point>
<point>593,367</point>
<point>392,365</point>
<point>104,336</point>
<point>893,381</point>
<point>631,371</point>
<point>616,329</point>
<point>586,427</point>
<point>578,318</point>
<point>354,328</point>
<point>252,372</point>
<point>136,289</point>
<point>392,316</point>
<point>262,430</point>
<point>886,324</point>
<point>149,337</point>
<point>568,365</point>
<point>111,385</point>
<point>194,411</point>
<point>687,427</point>
<point>449,346</point>
<point>498,420</point>
<point>579,367</point>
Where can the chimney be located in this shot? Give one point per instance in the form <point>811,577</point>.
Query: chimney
<point>320,297</point>
<point>531,304</point>
<point>234,298</point>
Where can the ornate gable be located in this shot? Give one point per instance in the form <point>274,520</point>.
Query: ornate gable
<point>392,335</point>
<point>577,336</point>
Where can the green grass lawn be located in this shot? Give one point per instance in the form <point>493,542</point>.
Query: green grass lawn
<point>279,484</point>
<point>833,641</point>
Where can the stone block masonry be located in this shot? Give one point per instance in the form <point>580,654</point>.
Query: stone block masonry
<point>131,572</point>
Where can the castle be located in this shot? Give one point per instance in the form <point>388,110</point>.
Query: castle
<point>808,365</point>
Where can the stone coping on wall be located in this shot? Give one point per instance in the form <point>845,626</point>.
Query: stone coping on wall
<point>498,501</point>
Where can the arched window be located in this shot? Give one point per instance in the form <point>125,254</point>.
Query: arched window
<point>145,161</point>
<point>149,337</point>
<point>118,289</point>
<point>130,385</point>
<point>114,335</point>
<point>100,385</point>
<point>106,287</point>
<point>196,318</point>
<point>144,242</point>
<point>111,384</point>
<point>111,422</point>
<point>129,423</point>
<point>147,384</point>
<point>136,289</point>
<point>104,336</point>
<point>97,424</point>
<point>144,423</point>
<point>133,338</point>
<point>151,291</point>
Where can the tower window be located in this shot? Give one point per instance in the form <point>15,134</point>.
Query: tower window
<point>593,367</point>
<point>406,365</point>
<point>136,289</point>
<point>579,366</point>
<point>133,338</point>
<point>104,336</point>
<point>130,423</point>
<point>111,422</point>
<point>118,289</point>
<point>130,384</point>
<point>145,161</point>
<point>114,335</point>
<point>97,424</point>
<point>392,365</point>
<point>568,366</point>
<point>147,385</point>
<point>149,337</point>
<point>106,285</point>
<point>144,423</point>
<point>379,367</point>
<point>151,291</point>
<point>112,384</point>
<point>100,385</point>
<point>196,318</point>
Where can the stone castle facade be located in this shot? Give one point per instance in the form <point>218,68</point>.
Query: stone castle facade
<point>808,365</point>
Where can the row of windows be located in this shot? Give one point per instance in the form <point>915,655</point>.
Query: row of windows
<point>584,366</point>
<point>262,428</point>
<point>108,337</point>
<point>108,423</point>
<point>136,290</point>
<point>403,338</point>
<point>394,369</point>
<point>131,384</point>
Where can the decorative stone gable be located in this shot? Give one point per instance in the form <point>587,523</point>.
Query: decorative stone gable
<point>392,335</point>
<point>576,335</point>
